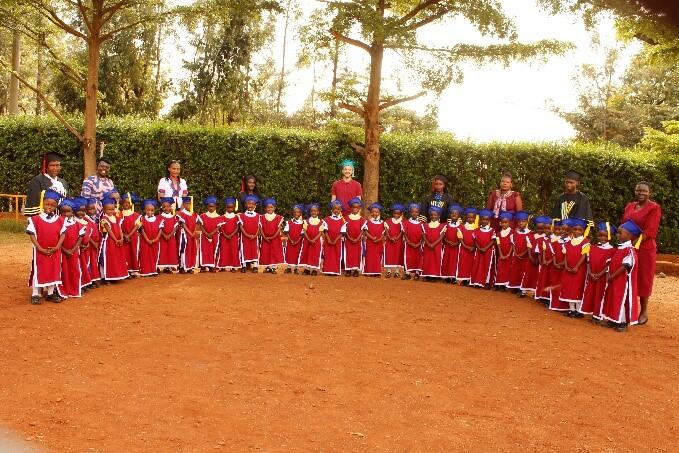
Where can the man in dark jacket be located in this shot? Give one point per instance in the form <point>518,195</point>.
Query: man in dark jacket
<point>572,204</point>
<point>47,179</point>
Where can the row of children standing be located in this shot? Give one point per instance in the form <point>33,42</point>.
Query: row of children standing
<point>555,262</point>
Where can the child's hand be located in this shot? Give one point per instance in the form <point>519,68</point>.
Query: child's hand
<point>609,278</point>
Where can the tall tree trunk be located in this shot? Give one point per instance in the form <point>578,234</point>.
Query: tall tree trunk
<point>281,80</point>
<point>371,161</point>
<point>38,76</point>
<point>156,94</point>
<point>333,88</point>
<point>91,89</point>
<point>13,106</point>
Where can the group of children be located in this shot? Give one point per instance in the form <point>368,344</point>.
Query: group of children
<point>76,248</point>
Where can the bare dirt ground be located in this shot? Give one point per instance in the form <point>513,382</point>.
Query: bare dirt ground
<point>290,363</point>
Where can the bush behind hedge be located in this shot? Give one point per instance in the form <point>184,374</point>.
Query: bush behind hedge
<point>300,165</point>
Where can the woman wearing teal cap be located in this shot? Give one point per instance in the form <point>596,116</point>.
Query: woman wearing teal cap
<point>346,188</point>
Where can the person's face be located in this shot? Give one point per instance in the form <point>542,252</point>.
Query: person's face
<point>297,213</point>
<point>175,169</point>
<point>127,204</point>
<point>522,223</point>
<point>434,216</point>
<point>91,210</point>
<point>347,171</point>
<point>557,230</point>
<point>250,205</point>
<point>66,211</point>
<point>49,206</point>
<point>565,231</point>
<point>103,169</point>
<point>485,220</point>
<point>270,209</point>
<point>109,209</point>
<point>251,184</point>
<point>80,213</point>
<point>471,218</point>
<point>397,214</point>
<point>375,213</point>
<point>314,211</point>
<point>642,193</point>
<point>355,208</point>
<point>54,168</point>
<point>623,235</point>
<point>336,210</point>
<point>505,184</point>
<point>577,231</point>
<point>602,236</point>
<point>167,207</point>
<point>438,186</point>
<point>149,210</point>
<point>454,215</point>
<point>504,223</point>
<point>539,228</point>
<point>230,207</point>
<point>547,228</point>
<point>414,213</point>
<point>571,185</point>
<point>211,207</point>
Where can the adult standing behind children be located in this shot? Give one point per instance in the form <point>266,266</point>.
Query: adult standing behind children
<point>249,187</point>
<point>97,185</point>
<point>346,188</point>
<point>572,204</point>
<point>172,185</point>
<point>47,179</point>
<point>503,199</point>
<point>437,198</point>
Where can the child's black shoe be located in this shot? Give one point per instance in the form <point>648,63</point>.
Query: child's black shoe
<point>243,269</point>
<point>35,300</point>
<point>621,327</point>
<point>288,271</point>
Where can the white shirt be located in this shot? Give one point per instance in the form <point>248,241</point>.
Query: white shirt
<point>167,189</point>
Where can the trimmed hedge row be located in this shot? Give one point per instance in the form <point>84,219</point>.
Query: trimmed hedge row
<point>300,165</point>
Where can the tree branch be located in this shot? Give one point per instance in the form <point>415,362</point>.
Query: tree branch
<point>393,102</point>
<point>83,13</point>
<point>147,19</point>
<point>52,16</point>
<point>415,11</point>
<point>353,42</point>
<point>109,12</point>
<point>44,99</point>
<point>425,21</point>
<point>352,108</point>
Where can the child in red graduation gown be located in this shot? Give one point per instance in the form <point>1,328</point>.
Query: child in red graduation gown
<point>95,240</point>
<point>530,276</point>
<point>150,233</point>
<point>71,274</point>
<point>312,244</point>
<point>621,304</point>
<point>484,260</point>
<point>353,239</point>
<point>228,249</point>
<point>271,249</point>
<point>249,234</point>
<point>432,250</point>
<point>505,250</point>
<point>130,225</point>
<point>294,231</point>
<point>112,254</point>
<point>544,258</point>
<point>467,236</point>
<point>209,223</point>
<point>413,237</point>
<point>562,236</point>
<point>332,240</point>
<point>451,244</point>
<point>597,267</point>
<point>187,235</point>
<point>393,244</point>
<point>575,268</point>
<point>168,260</point>
<point>46,231</point>
<point>373,232</point>
<point>80,213</point>
<point>521,243</point>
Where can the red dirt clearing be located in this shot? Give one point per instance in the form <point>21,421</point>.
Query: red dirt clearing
<point>262,362</point>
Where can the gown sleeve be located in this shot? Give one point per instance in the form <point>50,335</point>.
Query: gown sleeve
<point>32,206</point>
<point>584,210</point>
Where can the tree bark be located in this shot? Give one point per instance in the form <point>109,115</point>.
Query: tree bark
<point>333,89</point>
<point>38,77</point>
<point>371,162</point>
<point>281,81</point>
<point>13,101</point>
<point>91,89</point>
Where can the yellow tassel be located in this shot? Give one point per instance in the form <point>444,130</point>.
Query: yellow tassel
<point>589,227</point>
<point>476,221</point>
<point>236,204</point>
<point>129,197</point>
<point>608,230</point>
<point>191,205</point>
<point>637,244</point>
<point>42,199</point>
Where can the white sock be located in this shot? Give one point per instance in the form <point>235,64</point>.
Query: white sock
<point>572,306</point>
<point>35,291</point>
<point>50,290</point>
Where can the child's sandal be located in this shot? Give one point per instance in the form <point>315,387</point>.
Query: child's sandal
<point>397,275</point>
<point>35,300</point>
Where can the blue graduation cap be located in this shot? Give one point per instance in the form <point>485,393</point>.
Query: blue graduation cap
<point>485,213</point>
<point>608,228</point>
<point>397,207</point>
<point>251,198</point>
<point>313,205</point>
<point>577,223</point>
<point>210,199</point>
<point>70,203</point>
<point>631,227</point>
<point>521,215</point>
<point>542,219</point>
<point>299,206</point>
<point>270,201</point>
<point>436,209</point>
<point>130,196</point>
<point>229,200</point>
<point>91,202</point>
<point>334,203</point>
<point>149,202</point>
<point>470,210</point>
<point>108,202</point>
<point>50,194</point>
<point>81,202</point>
<point>167,200</point>
<point>354,201</point>
<point>455,207</point>
<point>413,205</point>
<point>506,215</point>
<point>376,205</point>
<point>187,200</point>
<point>110,193</point>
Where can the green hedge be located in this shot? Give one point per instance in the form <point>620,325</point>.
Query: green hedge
<point>299,165</point>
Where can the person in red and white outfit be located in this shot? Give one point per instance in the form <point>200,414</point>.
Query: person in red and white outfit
<point>172,185</point>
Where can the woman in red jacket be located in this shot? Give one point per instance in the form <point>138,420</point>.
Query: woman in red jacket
<point>646,214</point>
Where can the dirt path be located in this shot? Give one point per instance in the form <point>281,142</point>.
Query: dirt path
<point>262,362</point>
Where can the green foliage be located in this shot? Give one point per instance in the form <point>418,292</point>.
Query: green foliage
<point>299,165</point>
<point>664,141</point>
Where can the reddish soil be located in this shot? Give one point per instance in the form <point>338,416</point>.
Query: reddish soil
<point>291,363</point>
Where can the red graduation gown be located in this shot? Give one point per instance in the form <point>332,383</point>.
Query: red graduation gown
<point>595,290</point>
<point>207,250</point>
<point>71,275</point>
<point>451,253</point>
<point>150,253</point>
<point>311,251</point>
<point>93,262</point>
<point>332,253</point>
<point>530,276</point>
<point>648,219</point>
<point>482,272</point>
<point>374,251</point>
<point>112,256</point>
<point>271,252</point>
<point>129,225</point>
<point>412,256</point>
<point>169,249</point>
<point>188,244</point>
<point>573,285</point>
<point>555,302</point>
<point>504,244</point>
<point>621,303</point>
<point>465,264</point>
<point>249,248</point>
<point>45,270</point>
<point>393,250</point>
<point>228,250</point>
<point>294,229</point>
<point>85,278</point>
<point>546,255</point>
<point>432,257</point>
<point>521,242</point>
<point>353,253</point>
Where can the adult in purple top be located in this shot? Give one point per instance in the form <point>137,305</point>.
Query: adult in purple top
<point>346,188</point>
<point>503,199</point>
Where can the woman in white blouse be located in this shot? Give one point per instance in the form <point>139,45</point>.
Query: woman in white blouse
<point>172,185</point>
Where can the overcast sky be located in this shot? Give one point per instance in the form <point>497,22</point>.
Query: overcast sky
<point>493,102</point>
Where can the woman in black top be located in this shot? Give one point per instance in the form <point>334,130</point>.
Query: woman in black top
<point>438,197</point>
<point>249,187</point>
